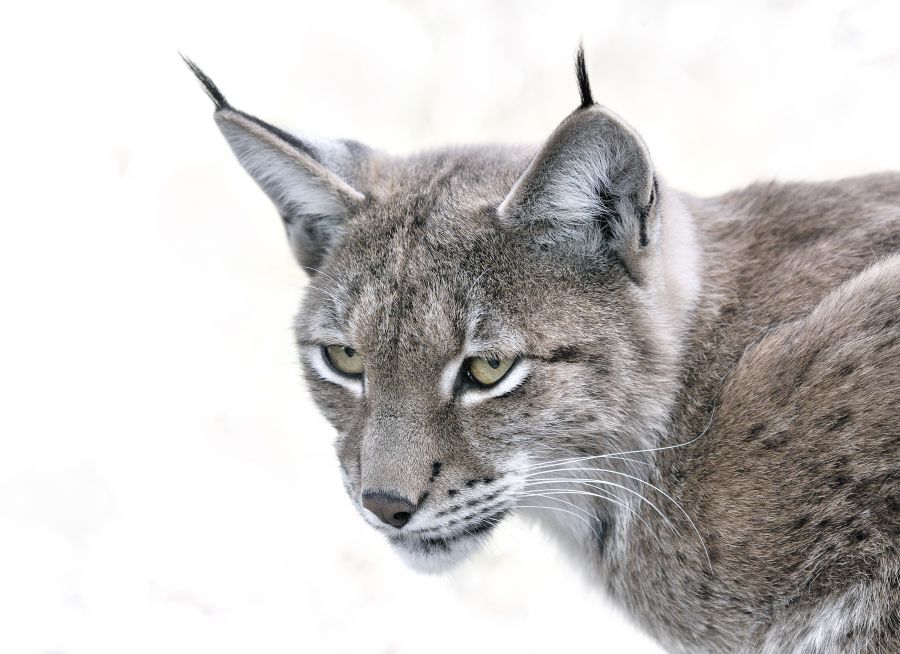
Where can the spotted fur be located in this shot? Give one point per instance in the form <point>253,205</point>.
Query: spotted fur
<point>706,404</point>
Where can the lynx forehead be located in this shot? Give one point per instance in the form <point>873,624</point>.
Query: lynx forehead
<point>700,398</point>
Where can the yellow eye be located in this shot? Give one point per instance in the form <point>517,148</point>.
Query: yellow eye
<point>488,372</point>
<point>344,359</point>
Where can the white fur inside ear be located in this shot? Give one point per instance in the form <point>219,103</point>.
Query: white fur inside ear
<point>317,360</point>
<point>296,183</point>
<point>513,378</point>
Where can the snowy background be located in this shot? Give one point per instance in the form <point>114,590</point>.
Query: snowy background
<point>165,484</point>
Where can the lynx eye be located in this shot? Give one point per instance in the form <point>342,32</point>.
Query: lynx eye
<point>487,372</point>
<point>344,359</point>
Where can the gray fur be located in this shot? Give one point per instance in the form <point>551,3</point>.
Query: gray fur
<point>712,389</point>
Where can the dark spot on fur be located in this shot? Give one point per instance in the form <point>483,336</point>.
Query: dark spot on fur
<point>800,522</point>
<point>422,498</point>
<point>775,442</point>
<point>566,354</point>
<point>601,533</point>
<point>839,420</point>
<point>451,492</point>
<point>435,470</point>
<point>838,481</point>
<point>755,431</point>
<point>886,344</point>
<point>859,535</point>
<point>472,482</point>
<point>847,522</point>
<point>846,370</point>
<point>805,366</point>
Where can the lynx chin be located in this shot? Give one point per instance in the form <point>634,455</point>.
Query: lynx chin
<point>699,397</point>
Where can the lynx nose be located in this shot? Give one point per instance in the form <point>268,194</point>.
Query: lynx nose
<point>390,509</point>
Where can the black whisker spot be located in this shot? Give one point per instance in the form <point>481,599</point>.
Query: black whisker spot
<point>448,510</point>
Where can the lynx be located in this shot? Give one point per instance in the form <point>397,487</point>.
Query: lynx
<point>698,397</point>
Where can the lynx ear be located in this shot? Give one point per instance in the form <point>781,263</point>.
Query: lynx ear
<point>306,179</point>
<point>591,186</point>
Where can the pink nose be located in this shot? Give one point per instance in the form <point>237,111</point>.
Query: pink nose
<point>391,509</point>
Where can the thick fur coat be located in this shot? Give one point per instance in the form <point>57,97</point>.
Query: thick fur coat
<point>701,397</point>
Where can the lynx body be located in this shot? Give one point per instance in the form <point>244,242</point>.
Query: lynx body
<point>699,397</point>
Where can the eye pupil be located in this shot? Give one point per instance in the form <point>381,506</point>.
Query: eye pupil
<point>344,359</point>
<point>494,363</point>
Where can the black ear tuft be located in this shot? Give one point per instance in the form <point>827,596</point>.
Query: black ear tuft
<point>584,84</point>
<point>208,85</point>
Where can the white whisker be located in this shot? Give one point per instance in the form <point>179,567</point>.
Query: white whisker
<point>322,272</point>
<point>556,508</point>
<point>604,496</point>
<point>615,454</point>
<point>593,484</point>
<point>646,483</point>
<point>321,290</point>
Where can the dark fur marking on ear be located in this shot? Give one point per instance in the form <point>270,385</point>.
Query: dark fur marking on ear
<point>584,84</point>
<point>208,85</point>
<point>605,212</point>
<point>280,133</point>
<point>644,215</point>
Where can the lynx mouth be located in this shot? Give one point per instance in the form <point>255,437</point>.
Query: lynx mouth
<point>433,551</point>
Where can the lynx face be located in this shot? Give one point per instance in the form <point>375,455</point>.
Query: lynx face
<point>475,354</point>
<point>474,314</point>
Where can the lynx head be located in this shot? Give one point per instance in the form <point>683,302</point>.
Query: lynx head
<point>476,312</point>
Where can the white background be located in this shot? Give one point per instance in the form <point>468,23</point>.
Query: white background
<point>165,483</point>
